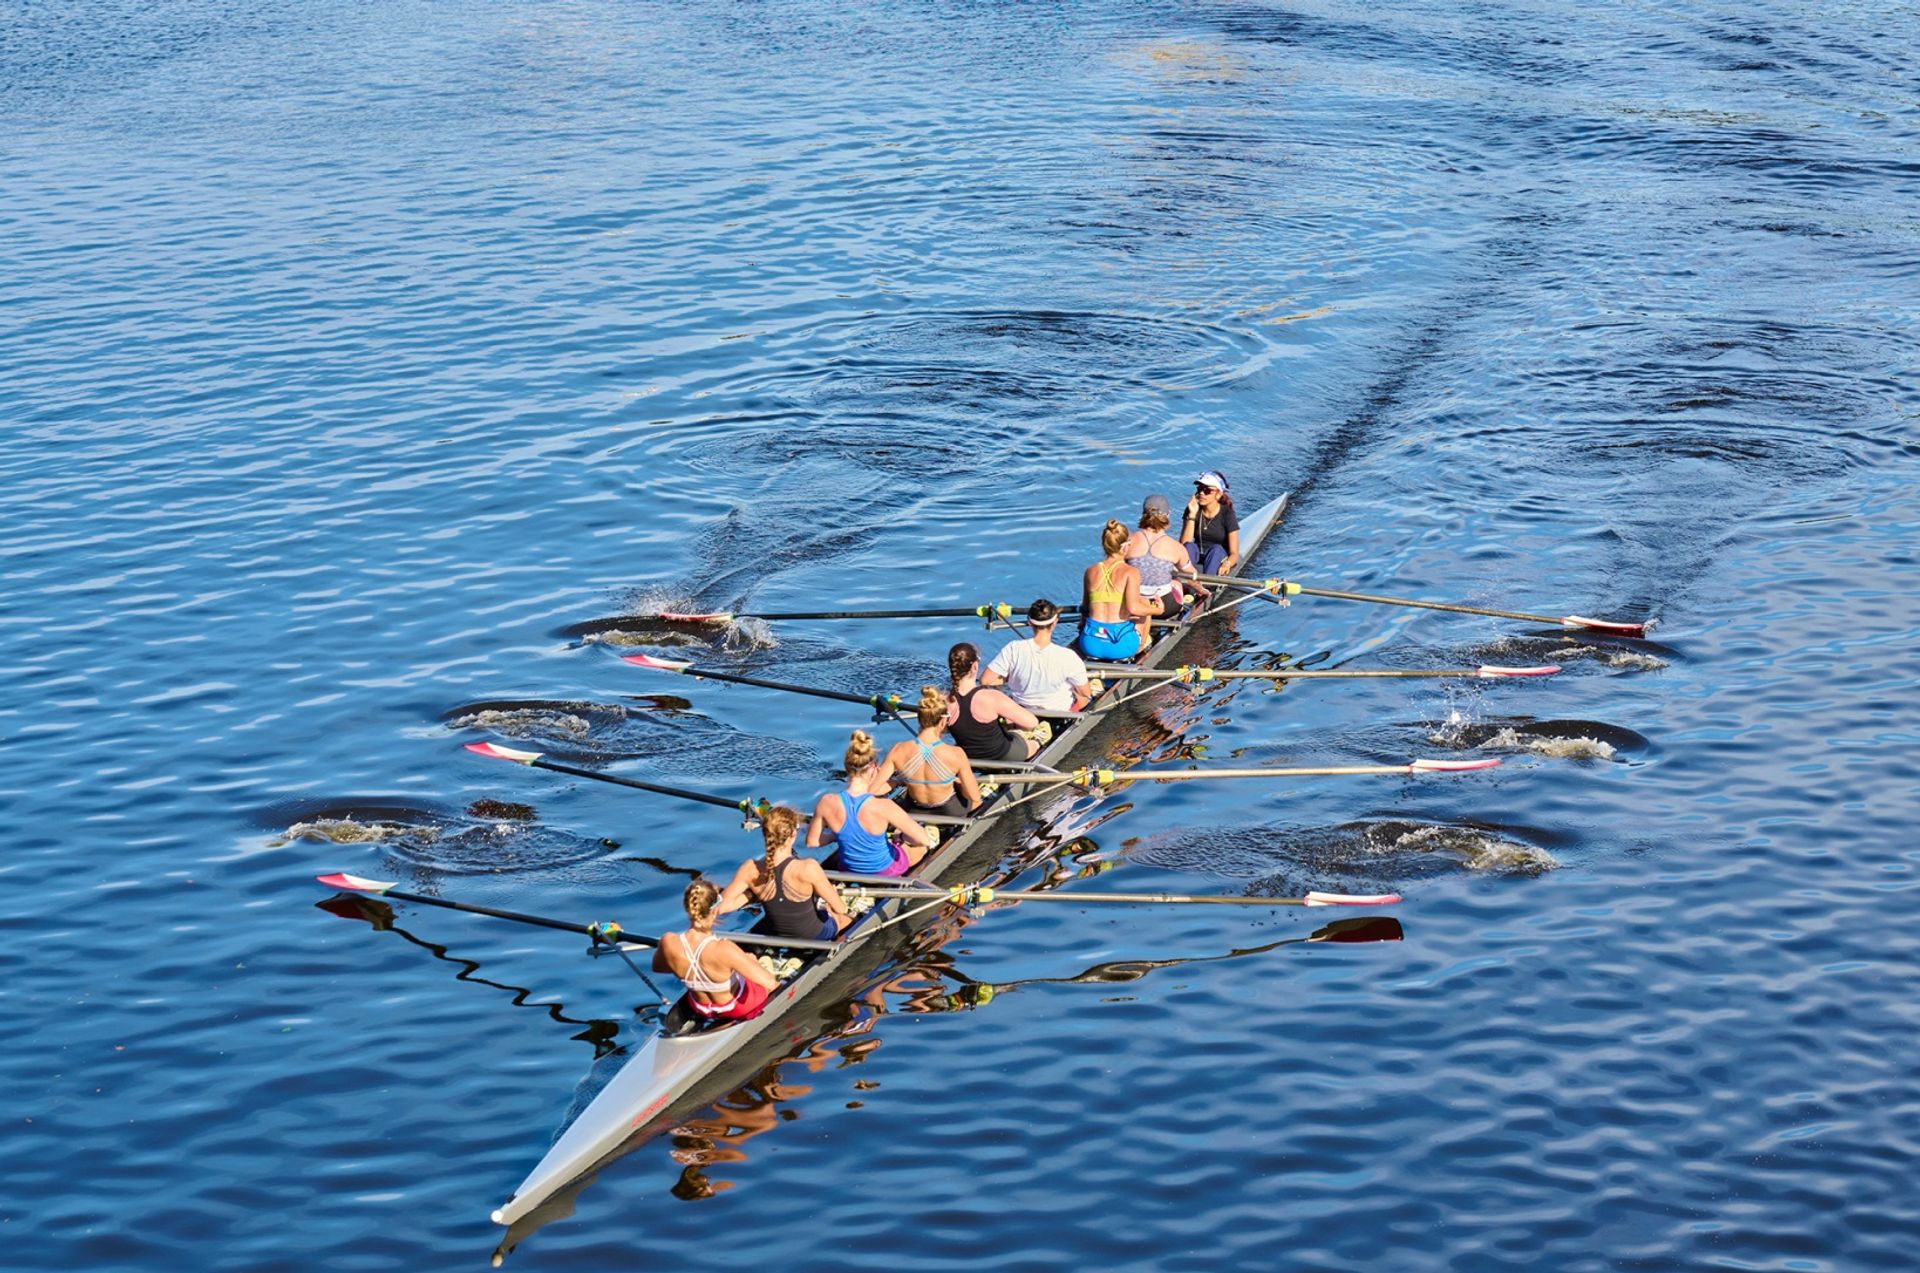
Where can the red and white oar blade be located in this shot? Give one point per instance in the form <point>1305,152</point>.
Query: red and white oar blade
<point>355,883</point>
<point>1352,899</point>
<point>683,616</point>
<point>1490,671</point>
<point>658,665</point>
<point>1605,625</point>
<point>1451,766</point>
<point>498,752</point>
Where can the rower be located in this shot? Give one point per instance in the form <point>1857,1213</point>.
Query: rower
<point>937,775</point>
<point>794,892</point>
<point>979,715</point>
<point>1211,530</point>
<point>1158,556</point>
<point>1039,675</point>
<point>860,817</point>
<point>724,983</point>
<point>1114,616</point>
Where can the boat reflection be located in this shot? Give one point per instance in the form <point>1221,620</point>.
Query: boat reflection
<point>933,982</point>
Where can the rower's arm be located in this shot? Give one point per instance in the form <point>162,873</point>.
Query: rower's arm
<point>1232,558</point>
<point>735,894</point>
<point>897,819</point>
<point>750,968</point>
<point>969,785</point>
<point>816,829</point>
<point>1138,607</point>
<point>1011,712</point>
<point>991,677</point>
<point>824,890</point>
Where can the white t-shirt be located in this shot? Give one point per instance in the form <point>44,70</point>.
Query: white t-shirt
<point>1039,677</point>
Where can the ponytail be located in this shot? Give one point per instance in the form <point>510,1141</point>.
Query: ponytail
<point>962,659</point>
<point>700,898</point>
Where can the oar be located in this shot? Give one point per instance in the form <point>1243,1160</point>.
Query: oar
<point>1288,588</point>
<point>609,934</point>
<point>1107,777</point>
<point>533,759</point>
<point>975,894</point>
<point>880,703</point>
<point>995,610</point>
<point>1187,675</point>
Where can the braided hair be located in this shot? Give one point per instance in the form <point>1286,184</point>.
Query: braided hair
<point>700,899</point>
<point>778,825</point>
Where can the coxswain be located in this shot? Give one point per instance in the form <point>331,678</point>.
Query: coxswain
<point>937,775</point>
<point>860,817</point>
<point>1159,557</point>
<point>979,715</point>
<point>1115,619</point>
<point>1211,529</point>
<point>797,898</point>
<point>724,982</point>
<point>1039,675</point>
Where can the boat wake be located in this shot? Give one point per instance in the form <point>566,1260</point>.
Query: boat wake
<point>1558,739</point>
<point>657,726</point>
<point>1356,857</point>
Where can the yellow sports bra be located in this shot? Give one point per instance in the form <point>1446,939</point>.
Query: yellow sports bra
<point>1104,590</point>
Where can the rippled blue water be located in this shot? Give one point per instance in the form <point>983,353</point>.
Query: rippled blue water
<point>353,357</point>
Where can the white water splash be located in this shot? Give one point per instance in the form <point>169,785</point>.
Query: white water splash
<point>1511,739</point>
<point>349,831</point>
<point>531,722</point>
<point>1476,850</point>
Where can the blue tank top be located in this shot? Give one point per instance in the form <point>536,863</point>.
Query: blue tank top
<point>862,851</point>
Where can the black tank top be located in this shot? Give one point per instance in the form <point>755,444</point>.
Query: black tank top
<point>980,742</point>
<point>786,918</point>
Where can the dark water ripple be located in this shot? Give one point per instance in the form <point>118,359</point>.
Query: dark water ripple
<point>356,365</point>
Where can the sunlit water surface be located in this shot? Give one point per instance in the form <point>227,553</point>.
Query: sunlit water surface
<point>357,360</point>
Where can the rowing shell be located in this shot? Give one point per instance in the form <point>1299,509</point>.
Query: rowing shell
<point>660,1077</point>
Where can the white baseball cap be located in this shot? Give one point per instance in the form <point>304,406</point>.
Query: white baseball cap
<point>1213,479</point>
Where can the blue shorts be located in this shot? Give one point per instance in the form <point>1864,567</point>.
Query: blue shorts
<point>1110,642</point>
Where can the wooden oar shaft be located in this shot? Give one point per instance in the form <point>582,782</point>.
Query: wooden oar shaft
<point>1411,603</point>
<point>1289,587</point>
<point>682,793</point>
<point>1037,896</point>
<point>473,908</point>
<point>838,696</point>
<point>1192,775</point>
<point>944,612</point>
<point>1282,674</point>
<point>972,894</point>
<point>603,933</point>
